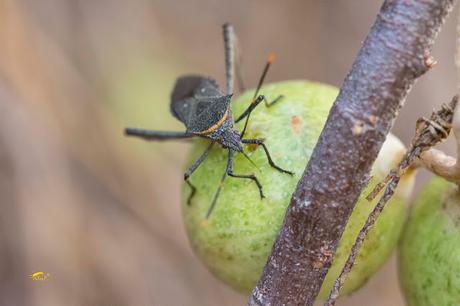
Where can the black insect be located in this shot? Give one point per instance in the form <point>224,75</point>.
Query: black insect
<point>206,111</point>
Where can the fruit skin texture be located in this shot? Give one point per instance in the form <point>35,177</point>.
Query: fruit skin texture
<point>235,242</point>
<point>429,252</point>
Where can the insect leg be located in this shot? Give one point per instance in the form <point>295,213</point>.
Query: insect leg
<point>238,70</point>
<point>192,169</point>
<point>252,106</point>
<point>269,104</point>
<point>192,193</point>
<point>198,162</point>
<point>244,176</point>
<point>260,142</point>
<point>156,135</point>
<point>229,45</point>
<point>221,183</point>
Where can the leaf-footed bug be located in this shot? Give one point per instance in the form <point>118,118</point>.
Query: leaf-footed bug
<point>206,112</point>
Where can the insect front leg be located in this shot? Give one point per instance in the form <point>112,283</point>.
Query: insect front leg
<point>229,172</point>
<point>231,43</point>
<point>260,142</point>
<point>255,103</point>
<point>252,106</point>
<point>192,169</point>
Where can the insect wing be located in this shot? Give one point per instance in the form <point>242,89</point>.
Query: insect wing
<point>187,90</point>
<point>207,113</point>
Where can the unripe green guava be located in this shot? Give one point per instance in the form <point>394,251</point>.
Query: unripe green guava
<point>234,243</point>
<point>429,252</point>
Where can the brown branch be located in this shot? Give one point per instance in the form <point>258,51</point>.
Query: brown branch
<point>394,55</point>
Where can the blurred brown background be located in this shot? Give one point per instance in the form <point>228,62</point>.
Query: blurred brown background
<point>101,212</point>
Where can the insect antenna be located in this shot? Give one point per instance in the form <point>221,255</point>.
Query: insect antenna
<point>270,59</point>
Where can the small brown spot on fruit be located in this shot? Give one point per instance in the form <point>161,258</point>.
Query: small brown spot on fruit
<point>296,123</point>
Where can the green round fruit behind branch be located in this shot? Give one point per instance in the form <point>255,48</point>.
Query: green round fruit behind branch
<point>429,253</point>
<point>236,240</point>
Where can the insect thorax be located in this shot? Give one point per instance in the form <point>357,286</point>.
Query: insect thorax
<point>226,135</point>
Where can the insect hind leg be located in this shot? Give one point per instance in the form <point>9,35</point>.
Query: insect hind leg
<point>229,45</point>
<point>156,135</point>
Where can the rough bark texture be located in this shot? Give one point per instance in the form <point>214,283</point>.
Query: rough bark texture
<point>395,53</point>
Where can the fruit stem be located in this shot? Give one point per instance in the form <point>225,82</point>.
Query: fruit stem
<point>441,164</point>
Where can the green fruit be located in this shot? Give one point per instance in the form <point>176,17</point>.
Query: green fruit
<point>429,253</point>
<point>235,242</point>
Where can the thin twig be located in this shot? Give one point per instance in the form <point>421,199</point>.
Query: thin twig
<point>393,56</point>
<point>440,163</point>
<point>428,133</point>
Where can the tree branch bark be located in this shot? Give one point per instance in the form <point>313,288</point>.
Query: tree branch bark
<point>395,53</point>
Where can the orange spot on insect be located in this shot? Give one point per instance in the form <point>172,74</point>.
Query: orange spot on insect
<point>204,223</point>
<point>296,123</point>
<point>252,147</point>
<point>271,58</point>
